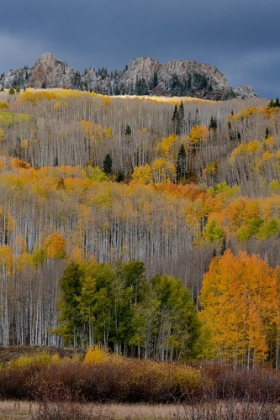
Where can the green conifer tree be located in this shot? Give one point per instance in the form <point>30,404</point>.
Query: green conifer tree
<point>107,164</point>
<point>181,164</point>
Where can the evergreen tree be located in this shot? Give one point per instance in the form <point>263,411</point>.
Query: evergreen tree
<point>213,123</point>
<point>175,114</point>
<point>181,117</point>
<point>127,131</point>
<point>120,176</point>
<point>181,164</point>
<point>107,164</point>
<point>178,118</point>
<point>189,82</point>
<point>141,87</point>
<point>154,81</point>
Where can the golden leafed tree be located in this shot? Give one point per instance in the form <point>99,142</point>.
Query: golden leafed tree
<point>239,301</point>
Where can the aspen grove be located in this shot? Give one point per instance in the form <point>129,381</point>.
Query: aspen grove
<point>147,225</point>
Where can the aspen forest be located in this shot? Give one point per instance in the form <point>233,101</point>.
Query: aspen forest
<point>146,225</point>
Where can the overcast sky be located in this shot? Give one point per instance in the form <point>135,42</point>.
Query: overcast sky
<point>240,37</point>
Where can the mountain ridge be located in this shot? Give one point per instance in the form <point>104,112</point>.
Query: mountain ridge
<point>143,76</point>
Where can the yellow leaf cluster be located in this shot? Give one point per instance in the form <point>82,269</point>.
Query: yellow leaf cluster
<point>142,175</point>
<point>250,148</point>
<point>164,147</point>
<point>199,133</point>
<point>163,171</point>
<point>2,135</point>
<point>96,355</point>
<point>94,131</point>
<point>54,246</point>
<point>4,105</point>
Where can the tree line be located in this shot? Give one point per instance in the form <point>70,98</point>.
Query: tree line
<point>115,306</point>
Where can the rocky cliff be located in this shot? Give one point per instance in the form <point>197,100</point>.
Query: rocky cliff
<point>143,76</point>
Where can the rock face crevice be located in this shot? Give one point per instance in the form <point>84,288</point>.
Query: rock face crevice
<point>143,76</point>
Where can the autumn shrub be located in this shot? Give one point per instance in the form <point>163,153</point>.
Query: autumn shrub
<point>4,105</point>
<point>96,355</point>
<point>105,378</point>
<point>111,379</point>
<point>37,360</point>
<point>227,382</point>
<point>66,406</point>
<point>127,380</point>
<point>230,410</point>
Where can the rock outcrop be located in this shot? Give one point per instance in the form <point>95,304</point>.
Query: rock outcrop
<point>51,73</point>
<point>143,76</point>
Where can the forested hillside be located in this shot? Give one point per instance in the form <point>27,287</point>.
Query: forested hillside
<point>102,182</point>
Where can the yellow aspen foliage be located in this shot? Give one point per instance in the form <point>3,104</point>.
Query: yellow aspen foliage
<point>24,143</point>
<point>239,302</point>
<point>270,142</point>
<point>57,105</point>
<point>4,105</point>
<point>19,163</point>
<point>213,232</point>
<point>253,146</point>
<point>199,133</point>
<point>6,258</point>
<point>96,174</point>
<point>54,246</point>
<point>7,219</point>
<point>239,150</point>
<point>94,131</point>
<point>267,156</point>
<point>24,261</point>
<point>106,101</point>
<point>274,186</point>
<point>2,165</point>
<point>250,148</point>
<point>211,168</point>
<point>142,175</point>
<point>269,229</point>
<point>246,113</point>
<point>77,255</point>
<point>19,245</point>
<point>33,96</point>
<point>164,147</point>
<point>107,132</point>
<point>88,128</point>
<point>2,135</point>
<point>163,171</point>
<point>96,355</point>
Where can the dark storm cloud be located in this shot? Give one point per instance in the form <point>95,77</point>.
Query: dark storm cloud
<point>240,37</point>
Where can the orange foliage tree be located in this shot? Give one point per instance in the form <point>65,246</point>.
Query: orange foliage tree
<point>239,301</point>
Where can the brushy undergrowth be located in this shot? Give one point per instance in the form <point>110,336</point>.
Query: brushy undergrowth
<point>102,377</point>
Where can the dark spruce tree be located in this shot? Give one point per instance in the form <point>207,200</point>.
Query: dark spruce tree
<point>178,118</point>
<point>120,176</point>
<point>181,164</point>
<point>181,117</point>
<point>127,130</point>
<point>107,164</point>
<point>274,104</point>
<point>141,87</point>
<point>213,123</point>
